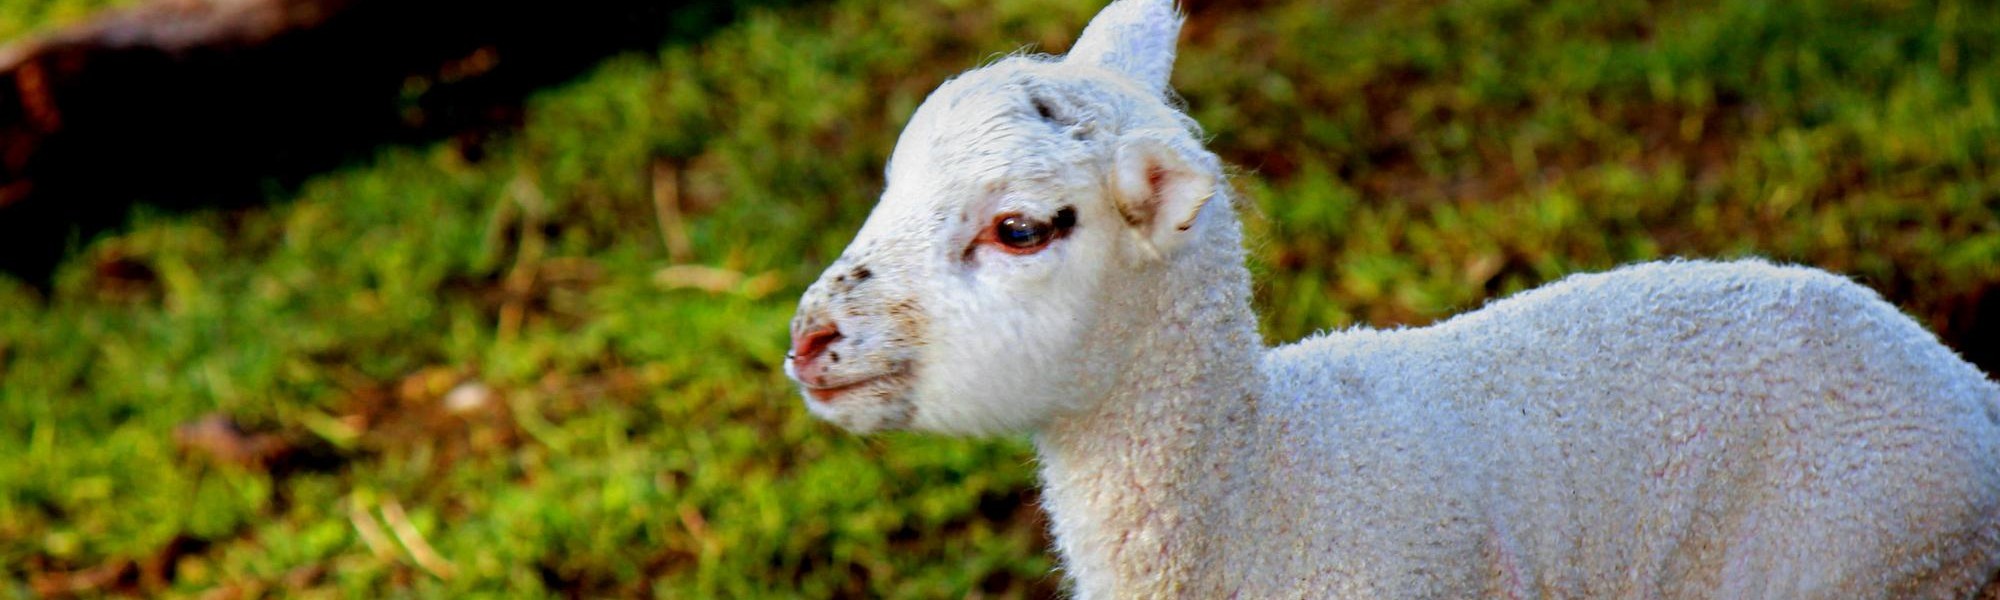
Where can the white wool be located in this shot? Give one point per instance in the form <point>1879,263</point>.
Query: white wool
<point>1677,429</point>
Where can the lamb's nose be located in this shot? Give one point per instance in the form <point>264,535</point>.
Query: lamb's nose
<point>806,350</point>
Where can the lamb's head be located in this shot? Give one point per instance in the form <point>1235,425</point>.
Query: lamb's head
<point>1021,198</point>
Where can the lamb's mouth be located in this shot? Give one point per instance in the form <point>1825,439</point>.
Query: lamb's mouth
<point>827,394</point>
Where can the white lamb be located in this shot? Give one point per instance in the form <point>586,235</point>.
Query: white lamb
<point>1055,252</point>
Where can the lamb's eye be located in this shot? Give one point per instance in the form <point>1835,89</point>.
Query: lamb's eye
<point>1022,234</point>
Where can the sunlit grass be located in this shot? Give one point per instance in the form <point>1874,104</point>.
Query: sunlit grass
<point>20,18</point>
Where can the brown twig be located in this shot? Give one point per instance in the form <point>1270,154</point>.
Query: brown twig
<point>413,540</point>
<point>371,532</point>
<point>718,280</point>
<point>520,281</point>
<point>697,527</point>
<point>667,208</point>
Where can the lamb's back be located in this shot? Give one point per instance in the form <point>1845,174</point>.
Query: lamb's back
<point>1643,428</point>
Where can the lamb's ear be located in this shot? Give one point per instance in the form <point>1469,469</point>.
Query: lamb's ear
<point>1159,191</point>
<point>1133,37</point>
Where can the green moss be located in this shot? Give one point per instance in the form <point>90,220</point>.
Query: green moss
<point>20,18</point>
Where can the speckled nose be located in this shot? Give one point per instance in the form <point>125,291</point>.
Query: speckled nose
<point>808,348</point>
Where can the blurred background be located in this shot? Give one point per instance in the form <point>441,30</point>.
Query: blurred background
<point>361,298</point>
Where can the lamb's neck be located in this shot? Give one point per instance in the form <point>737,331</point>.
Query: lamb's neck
<point>1134,482</point>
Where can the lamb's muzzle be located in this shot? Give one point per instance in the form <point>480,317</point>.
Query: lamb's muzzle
<point>1679,429</point>
<point>807,351</point>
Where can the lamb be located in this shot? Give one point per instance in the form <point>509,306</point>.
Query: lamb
<point>1056,253</point>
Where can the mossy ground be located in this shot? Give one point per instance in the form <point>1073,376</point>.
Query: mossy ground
<point>623,429</point>
<point>19,18</point>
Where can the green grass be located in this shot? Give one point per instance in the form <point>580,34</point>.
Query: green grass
<point>19,18</point>
<point>1398,165</point>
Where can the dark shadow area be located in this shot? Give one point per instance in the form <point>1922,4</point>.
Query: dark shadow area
<point>1974,327</point>
<point>183,104</point>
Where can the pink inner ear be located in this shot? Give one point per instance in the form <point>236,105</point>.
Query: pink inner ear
<point>1156,181</point>
<point>1141,210</point>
